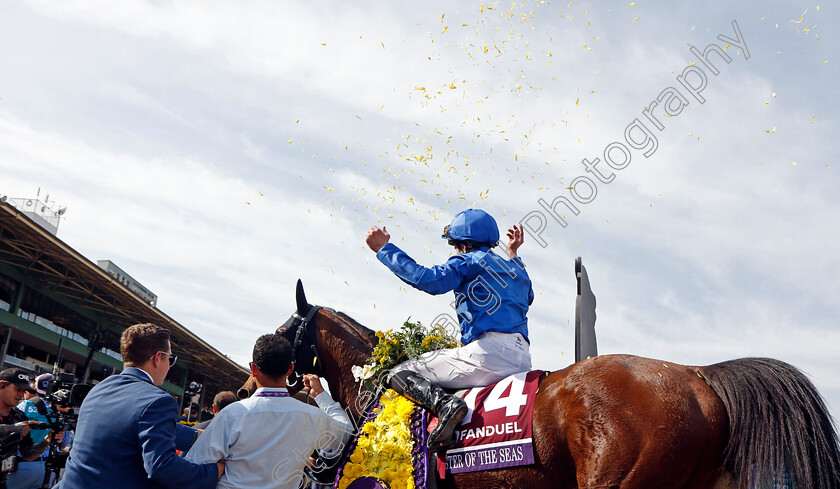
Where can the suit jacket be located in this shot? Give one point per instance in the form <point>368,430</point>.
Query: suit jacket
<point>126,437</point>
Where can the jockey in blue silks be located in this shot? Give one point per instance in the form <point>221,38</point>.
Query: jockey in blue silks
<point>492,295</point>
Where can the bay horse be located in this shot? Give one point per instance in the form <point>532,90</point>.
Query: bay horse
<point>627,422</point>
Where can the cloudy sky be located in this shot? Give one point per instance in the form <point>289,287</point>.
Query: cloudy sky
<point>218,151</point>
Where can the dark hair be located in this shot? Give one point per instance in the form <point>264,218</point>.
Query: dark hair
<point>141,342</point>
<point>273,355</point>
<point>224,398</point>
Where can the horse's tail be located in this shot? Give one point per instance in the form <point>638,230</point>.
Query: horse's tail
<point>780,431</point>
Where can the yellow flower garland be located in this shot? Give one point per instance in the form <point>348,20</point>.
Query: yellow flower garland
<point>384,446</point>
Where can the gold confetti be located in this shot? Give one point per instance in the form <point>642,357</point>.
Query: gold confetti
<point>794,163</point>
<point>633,3</point>
<point>771,131</point>
<point>634,20</point>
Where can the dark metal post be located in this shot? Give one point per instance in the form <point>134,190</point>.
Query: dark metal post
<point>183,388</point>
<point>586,344</point>
<point>94,343</point>
<point>202,396</point>
<point>6,339</point>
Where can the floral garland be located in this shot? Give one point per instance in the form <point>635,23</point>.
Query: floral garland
<point>395,347</point>
<point>385,447</point>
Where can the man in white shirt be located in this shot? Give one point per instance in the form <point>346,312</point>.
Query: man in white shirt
<point>266,440</point>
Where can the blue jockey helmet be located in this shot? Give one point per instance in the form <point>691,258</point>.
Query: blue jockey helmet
<point>473,225</point>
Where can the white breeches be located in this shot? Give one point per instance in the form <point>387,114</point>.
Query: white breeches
<point>489,358</point>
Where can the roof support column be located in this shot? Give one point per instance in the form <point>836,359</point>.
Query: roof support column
<point>17,299</point>
<point>201,399</point>
<point>183,388</point>
<point>6,339</point>
<point>13,308</point>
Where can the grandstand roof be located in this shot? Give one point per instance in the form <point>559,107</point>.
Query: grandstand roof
<point>42,257</point>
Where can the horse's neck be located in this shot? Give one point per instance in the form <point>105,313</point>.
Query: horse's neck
<point>341,346</point>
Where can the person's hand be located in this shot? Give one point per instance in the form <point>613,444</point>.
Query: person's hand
<point>313,383</point>
<point>377,238</point>
<point>516,239</point>
<point>22,428</point>
<point>221,466</point>
<point>56,436</point>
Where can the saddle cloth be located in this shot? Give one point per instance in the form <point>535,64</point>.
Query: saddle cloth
<point>497,430</point>
<point>389,449</point>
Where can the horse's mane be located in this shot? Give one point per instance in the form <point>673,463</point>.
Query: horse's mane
<point>367,334</point>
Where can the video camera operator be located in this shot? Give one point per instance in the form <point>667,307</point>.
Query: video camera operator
<point>30,474</point>
<point>14,383</point>
<point>53,407</point>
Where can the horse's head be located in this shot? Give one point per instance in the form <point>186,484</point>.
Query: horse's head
<point>301,332</point>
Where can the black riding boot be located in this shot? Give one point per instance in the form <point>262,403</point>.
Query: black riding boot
<point>449,409</point>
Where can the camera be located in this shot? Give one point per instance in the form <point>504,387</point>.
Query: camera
<point>65,397</point>
<point>8,460</point>
<point>69,395</point>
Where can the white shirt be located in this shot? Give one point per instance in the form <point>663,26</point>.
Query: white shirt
<point>266,440</point>
<point>148,375</point>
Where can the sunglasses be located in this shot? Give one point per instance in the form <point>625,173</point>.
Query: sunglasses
<point>172,358</point>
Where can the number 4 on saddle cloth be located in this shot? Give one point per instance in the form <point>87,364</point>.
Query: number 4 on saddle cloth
<point>496,432</point>
<point>389,450</point>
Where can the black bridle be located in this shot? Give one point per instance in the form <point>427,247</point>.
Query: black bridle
<point>302,324</point>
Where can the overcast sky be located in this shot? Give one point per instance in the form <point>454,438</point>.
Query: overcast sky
<point>218,151</point>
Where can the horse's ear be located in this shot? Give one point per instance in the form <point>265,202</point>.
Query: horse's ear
<point>300,297</point>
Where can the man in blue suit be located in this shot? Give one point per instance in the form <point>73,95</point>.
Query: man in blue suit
<point>128,428</point>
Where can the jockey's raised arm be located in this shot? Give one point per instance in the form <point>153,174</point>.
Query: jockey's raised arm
<point>492,296</point>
